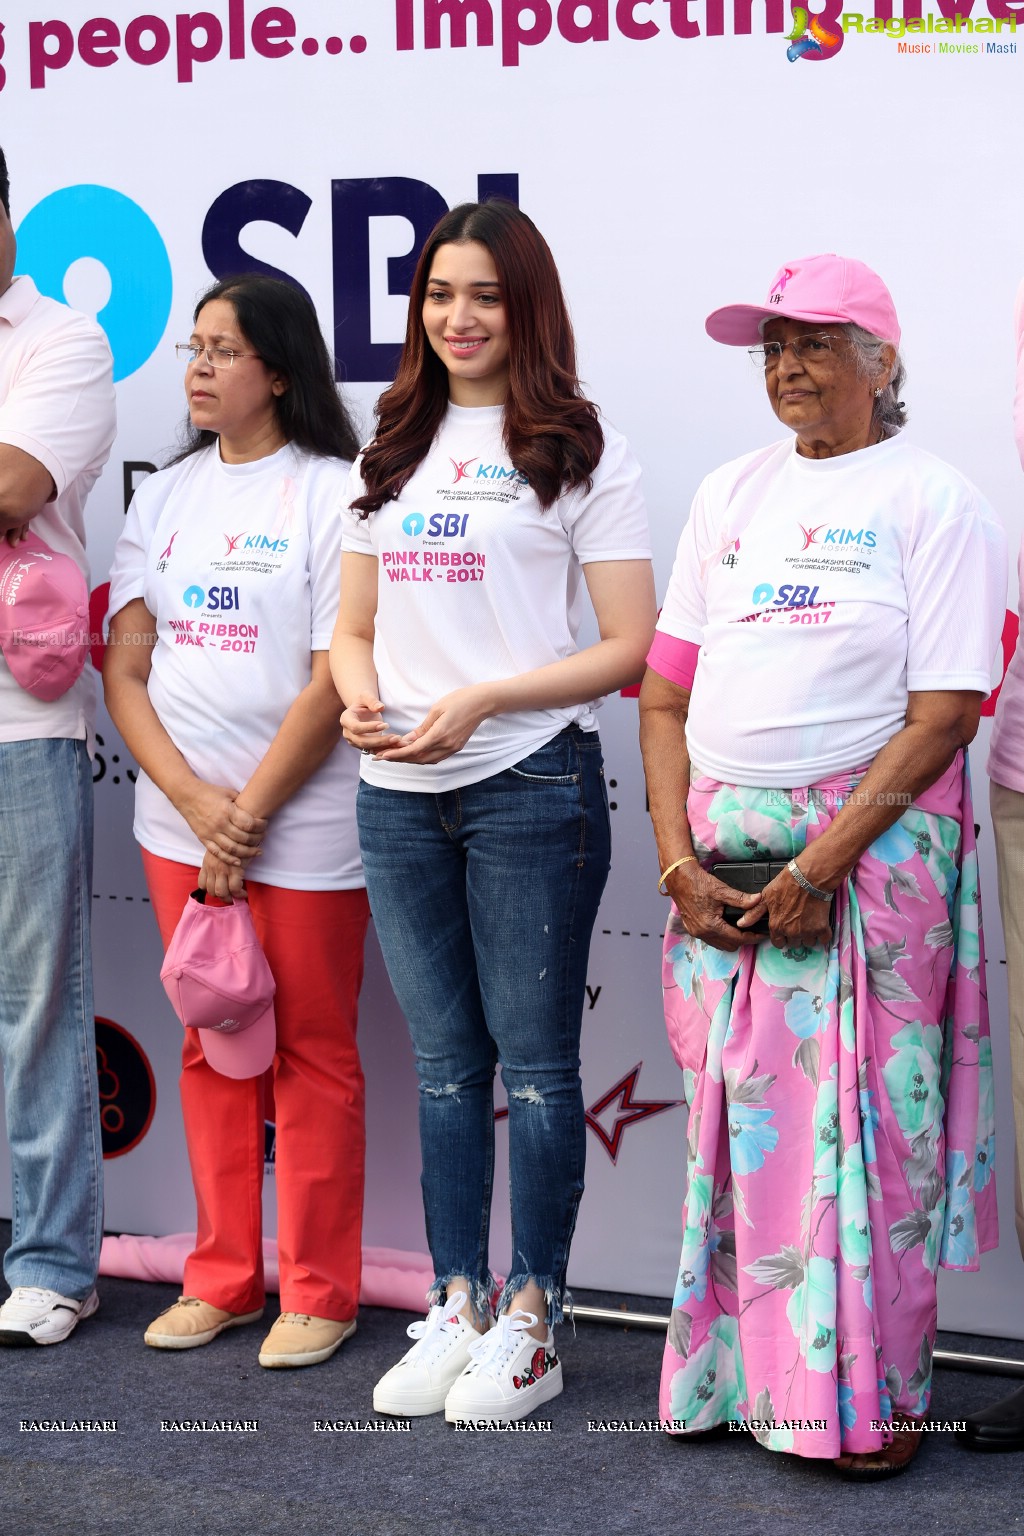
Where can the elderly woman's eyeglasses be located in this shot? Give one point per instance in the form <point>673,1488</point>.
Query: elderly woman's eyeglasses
<point>804,349</point>
<point>217,357</point>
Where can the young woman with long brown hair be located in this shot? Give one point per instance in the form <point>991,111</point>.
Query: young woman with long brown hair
<point>491,492</point>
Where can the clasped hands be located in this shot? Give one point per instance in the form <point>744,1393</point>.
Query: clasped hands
<point>444,730</point>
<point>231,836</point>
<point>796,918</point>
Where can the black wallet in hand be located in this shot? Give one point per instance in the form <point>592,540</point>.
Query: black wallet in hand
<point>751,879</point>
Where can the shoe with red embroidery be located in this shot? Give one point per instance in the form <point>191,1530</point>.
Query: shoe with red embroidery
<point>421,1380</point>
<point>510,1374</point>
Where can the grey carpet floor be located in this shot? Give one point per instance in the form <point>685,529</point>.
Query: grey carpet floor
<point>143,1481</point>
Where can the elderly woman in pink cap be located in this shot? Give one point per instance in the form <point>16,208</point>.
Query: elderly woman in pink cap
<point>817,674</point>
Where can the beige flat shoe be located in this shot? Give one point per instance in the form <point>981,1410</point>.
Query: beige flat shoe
<point>191,1323</point>
<point>298,1339</point>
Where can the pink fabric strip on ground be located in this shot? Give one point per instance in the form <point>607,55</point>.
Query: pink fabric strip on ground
<point>673,658</point>
<point>391,1278</point>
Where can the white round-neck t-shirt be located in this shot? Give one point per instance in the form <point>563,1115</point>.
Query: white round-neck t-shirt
<point>822,591</point>
<point>238,564</point>
<point>1006,747</point>
<point>476,582</point>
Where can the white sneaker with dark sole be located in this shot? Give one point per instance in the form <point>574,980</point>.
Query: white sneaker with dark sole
<point>421,1380</point>
<point>31,1315</point>
<point>509,1375</point>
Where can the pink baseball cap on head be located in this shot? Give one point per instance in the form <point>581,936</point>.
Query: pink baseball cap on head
<point>44,617</point>
<point>218,980</point>
<point>823,290</point>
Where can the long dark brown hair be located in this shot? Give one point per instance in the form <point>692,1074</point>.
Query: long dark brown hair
<point>552,433</point>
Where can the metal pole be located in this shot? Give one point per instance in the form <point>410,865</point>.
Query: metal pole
<point>951,1359</point>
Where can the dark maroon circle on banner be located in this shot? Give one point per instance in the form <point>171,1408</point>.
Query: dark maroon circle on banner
<point>127,1088</point>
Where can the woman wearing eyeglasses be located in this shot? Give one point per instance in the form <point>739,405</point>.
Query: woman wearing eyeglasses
<point>817,674</point>
<point>223,596</point>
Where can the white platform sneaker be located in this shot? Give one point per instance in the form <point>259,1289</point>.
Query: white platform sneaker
<point>510,1373</point>
<point>421,1380</point>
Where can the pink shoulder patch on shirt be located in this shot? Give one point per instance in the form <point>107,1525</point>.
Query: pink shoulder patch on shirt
<point>673,658</point>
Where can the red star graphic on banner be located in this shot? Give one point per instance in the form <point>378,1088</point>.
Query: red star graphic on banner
<point>630,1111</point>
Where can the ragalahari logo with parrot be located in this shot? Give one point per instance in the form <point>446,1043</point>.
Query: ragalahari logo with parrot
<point>809,39</point>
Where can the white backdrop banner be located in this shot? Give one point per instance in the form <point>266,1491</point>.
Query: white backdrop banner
<point>675,153</point>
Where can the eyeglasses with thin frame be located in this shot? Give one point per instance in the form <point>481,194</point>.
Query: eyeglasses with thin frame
<point>805,349</point>
<point>217,357</point>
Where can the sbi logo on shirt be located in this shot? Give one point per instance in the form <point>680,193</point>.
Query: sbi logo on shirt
<point>793,596</point>
<point>216,600</point>
<point>442,525</point>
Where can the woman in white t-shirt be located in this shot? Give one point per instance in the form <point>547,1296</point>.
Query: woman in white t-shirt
<point>818,671</point>
<point>223,596</point>
<point>491,493</point>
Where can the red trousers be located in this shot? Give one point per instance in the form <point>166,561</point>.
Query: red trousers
<point>313,941</point>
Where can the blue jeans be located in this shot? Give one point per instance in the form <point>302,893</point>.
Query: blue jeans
<point>47,1025</point>
<point>484,900</point>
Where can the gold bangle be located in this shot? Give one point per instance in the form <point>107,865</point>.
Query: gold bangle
<point>690,858</point>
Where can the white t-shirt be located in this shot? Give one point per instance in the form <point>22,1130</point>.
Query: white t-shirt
<point>477,582</point>
<point>238,564</point>
<point>56,404</point>
<point>821,591</point>
<point>1006,748</point>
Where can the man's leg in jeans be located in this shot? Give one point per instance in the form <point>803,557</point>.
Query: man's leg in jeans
<point>47,1026</point>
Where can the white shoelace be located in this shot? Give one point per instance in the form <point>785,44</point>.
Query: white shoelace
<point>442,1320</point>
<point>491,1353</point>
<point>32,1294</point>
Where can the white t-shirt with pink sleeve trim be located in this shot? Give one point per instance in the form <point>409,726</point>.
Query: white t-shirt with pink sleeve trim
<point>822,591</point>
<point>1006,749</point>
<point>477,582</point>
<point>238,564</point>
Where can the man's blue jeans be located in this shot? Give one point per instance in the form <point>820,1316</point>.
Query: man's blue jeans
<point>47,1026</point>
<point>484,899</point>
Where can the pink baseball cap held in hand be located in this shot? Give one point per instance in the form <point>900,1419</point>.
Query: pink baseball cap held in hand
<point>823,290</point>
<point>44,618</point>
<point>219,983</point>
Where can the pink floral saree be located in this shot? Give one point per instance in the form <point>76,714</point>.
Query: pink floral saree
<point>841,1127</point>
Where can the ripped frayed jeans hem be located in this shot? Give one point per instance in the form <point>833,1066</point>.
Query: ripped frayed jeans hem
<point>481,1292</point>
<point>557,1297</point>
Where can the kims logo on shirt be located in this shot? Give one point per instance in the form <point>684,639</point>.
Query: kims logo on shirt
<point>824,535</point>
<point>485,471</point>
<point>248,543</point>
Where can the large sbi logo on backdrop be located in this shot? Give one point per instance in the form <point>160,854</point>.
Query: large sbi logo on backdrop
<point>101,224</point>
<point>104,225</point>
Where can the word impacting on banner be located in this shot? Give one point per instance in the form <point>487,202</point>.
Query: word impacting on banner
<point>520,24</point>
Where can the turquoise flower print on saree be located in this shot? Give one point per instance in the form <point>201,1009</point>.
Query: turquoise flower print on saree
<point>801,1066</point>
